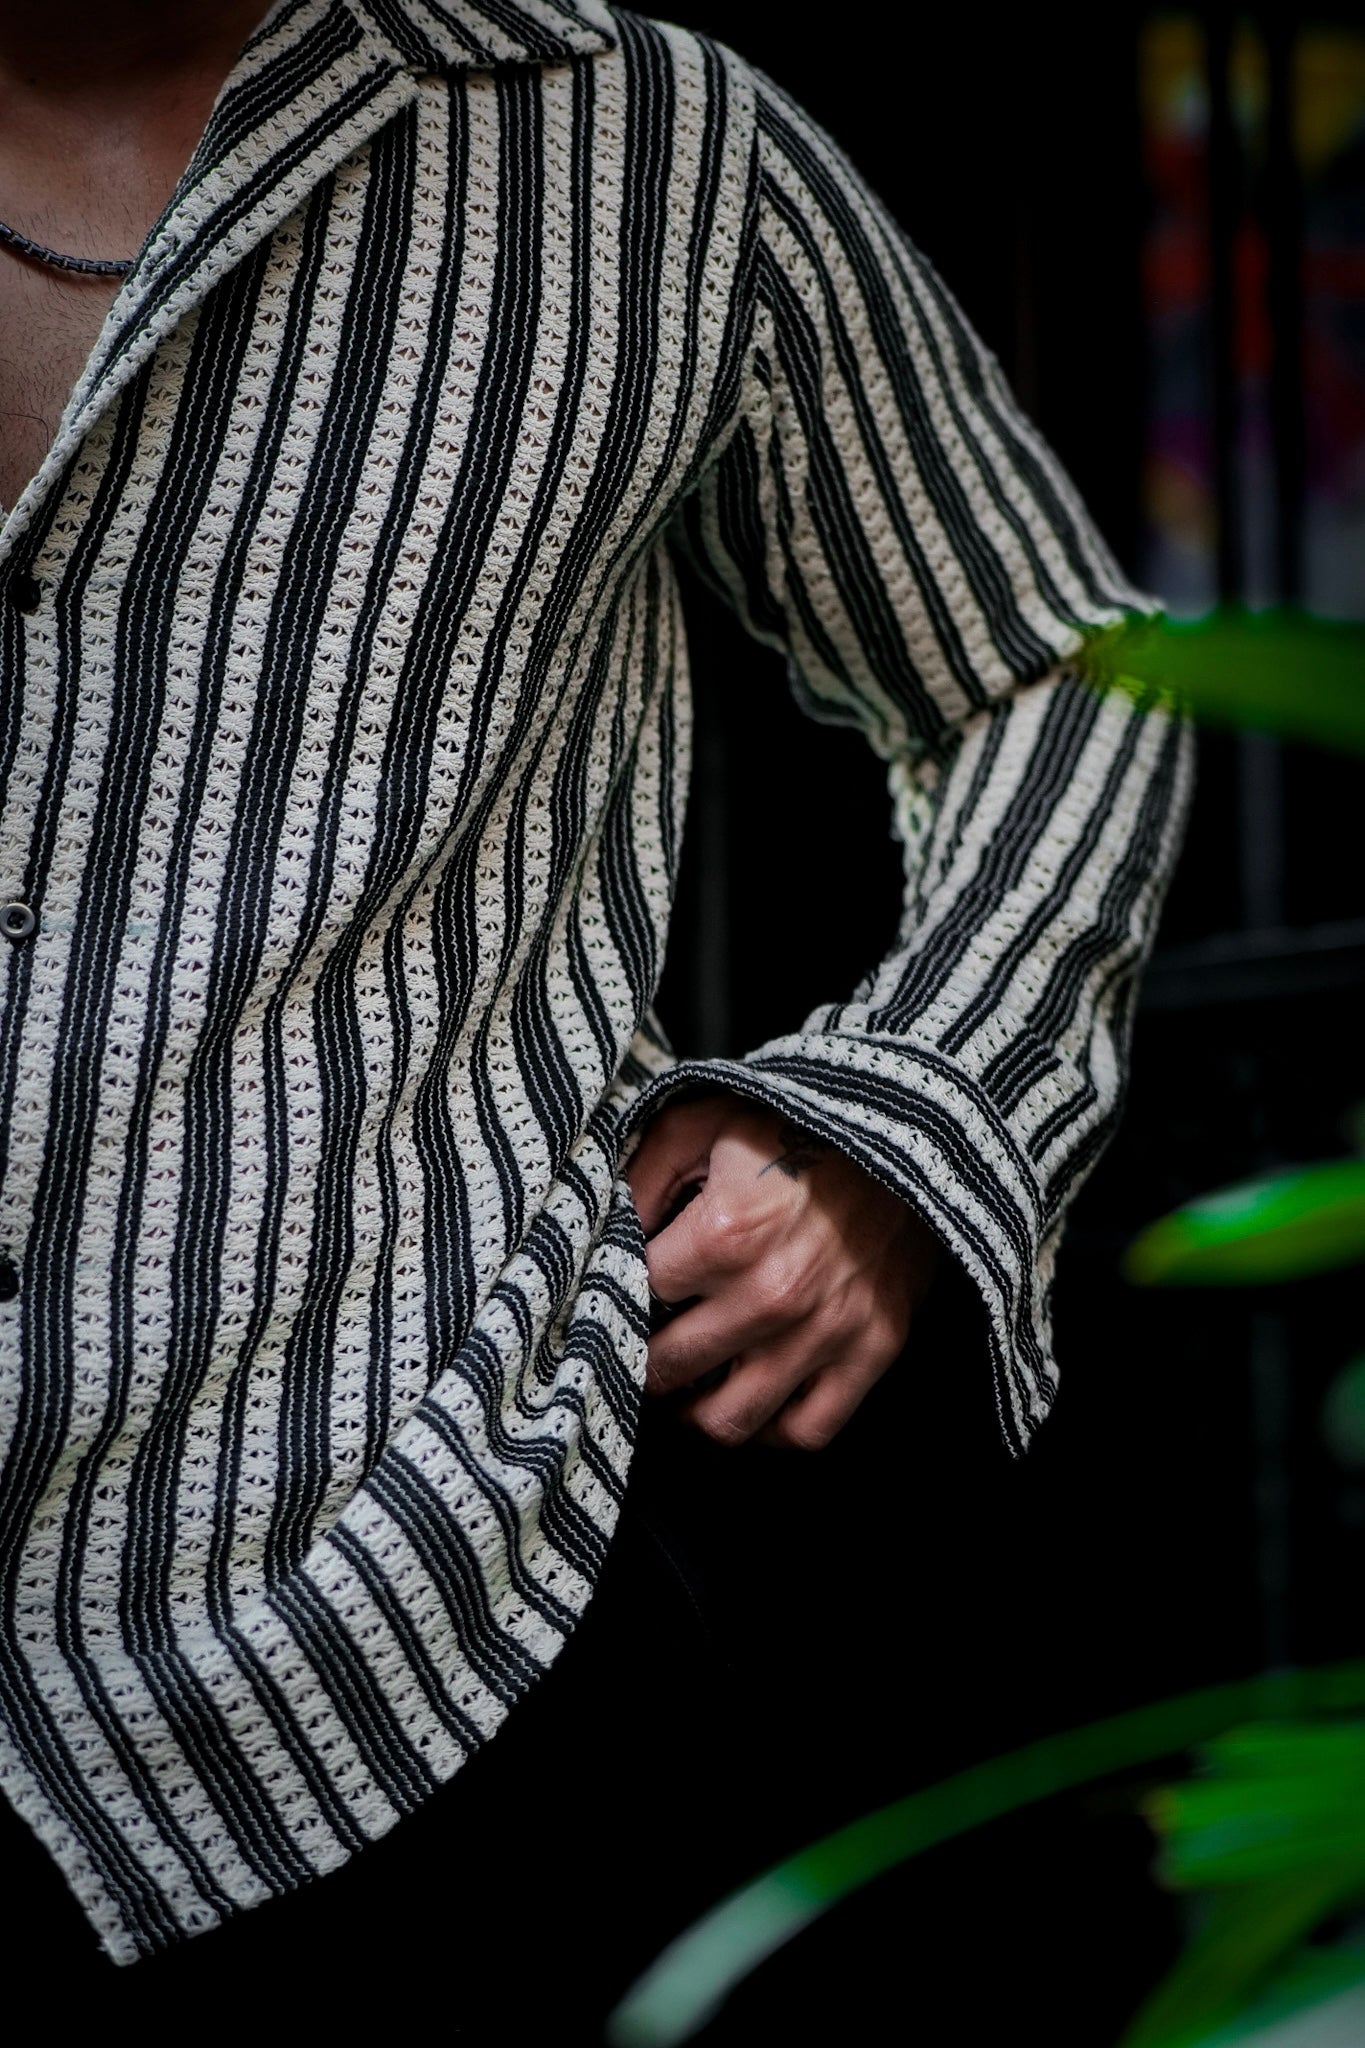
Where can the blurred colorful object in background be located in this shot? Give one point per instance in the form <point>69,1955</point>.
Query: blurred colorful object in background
<point>686,1985</point>
<point>1288,1225</point>
<point>1328,110</point>
<point>1343,1416</point>
<point>1178,481</point>
<point>1278,671</point>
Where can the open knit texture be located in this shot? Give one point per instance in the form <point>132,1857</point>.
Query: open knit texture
<point>344,759</point>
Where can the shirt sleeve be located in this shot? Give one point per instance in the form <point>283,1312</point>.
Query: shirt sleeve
<point>884,514</point>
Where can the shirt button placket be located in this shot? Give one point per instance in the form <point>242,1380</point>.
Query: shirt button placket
<point>18,921</point>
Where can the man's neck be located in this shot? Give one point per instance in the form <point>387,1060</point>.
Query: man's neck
<point>98,52</point>
<point>102,103</point>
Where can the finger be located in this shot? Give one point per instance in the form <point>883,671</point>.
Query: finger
<point>691,1254</point>
<point>755,1391</point>
<point>822,1407</point>
<point>671,1158</point>
<point>728,1306</point>
<point>709,1333</point>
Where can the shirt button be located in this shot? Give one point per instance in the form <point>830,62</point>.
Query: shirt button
<point>9,1279</point>
<point>17,922</point>
<point>26,593</point>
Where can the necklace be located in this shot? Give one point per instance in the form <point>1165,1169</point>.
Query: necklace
<point>83,266</point>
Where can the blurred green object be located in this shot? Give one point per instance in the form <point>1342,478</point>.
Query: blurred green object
<point>1317,2002</point>
<point>1281,2014</point>
<point>686,1984</point>
<point>1277,1828</point>
<point>1272,1827</point>
<point>1343,1416</point>
<point>1280,671</point>
<point>1307,1220</point>
<point>1269,1800</point>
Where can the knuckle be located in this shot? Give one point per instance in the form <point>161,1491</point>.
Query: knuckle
<point>667,1366</point>
<point>782,1288</point>
<point>890,1335</point>
<point>728,1228</point>
<point>658,1379</point>
<point>806,1433</point>
<point>879,1340</point>
<point>728,1430</point>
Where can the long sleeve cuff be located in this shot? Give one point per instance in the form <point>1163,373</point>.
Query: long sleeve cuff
<point>979,1071</point>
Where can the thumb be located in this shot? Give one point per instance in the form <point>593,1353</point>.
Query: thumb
<point>671,1162</point>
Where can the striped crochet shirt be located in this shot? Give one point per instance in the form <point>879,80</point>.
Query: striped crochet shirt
<point>343,751</point>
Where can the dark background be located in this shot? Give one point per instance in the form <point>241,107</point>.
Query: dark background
<point>911,1601</point>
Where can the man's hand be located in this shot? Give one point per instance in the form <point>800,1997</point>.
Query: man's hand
<point>792,1274</point>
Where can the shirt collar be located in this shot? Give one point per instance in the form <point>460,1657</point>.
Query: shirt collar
<point>451,35</point>
<point>316,80</point>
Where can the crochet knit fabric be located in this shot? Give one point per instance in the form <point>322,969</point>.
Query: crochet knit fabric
<point>343,757</point>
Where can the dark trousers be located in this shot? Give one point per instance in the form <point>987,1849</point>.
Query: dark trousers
<point>519,1902</point>
<point>778,1643</point>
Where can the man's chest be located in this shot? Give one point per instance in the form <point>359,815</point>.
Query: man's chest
<point>433,416</point>
<point>48,326</point>
<point>368,508</point>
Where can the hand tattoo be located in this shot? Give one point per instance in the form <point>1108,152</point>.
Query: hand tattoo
<point>799,1149</point>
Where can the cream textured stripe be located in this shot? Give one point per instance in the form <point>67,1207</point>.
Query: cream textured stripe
<point>343,750</point>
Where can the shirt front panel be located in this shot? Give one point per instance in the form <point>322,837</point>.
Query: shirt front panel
<point>347,752</point>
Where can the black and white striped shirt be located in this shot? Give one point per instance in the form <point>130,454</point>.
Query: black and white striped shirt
<point>343,747</point>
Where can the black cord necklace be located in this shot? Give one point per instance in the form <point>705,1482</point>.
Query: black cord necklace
<point>53,259</point>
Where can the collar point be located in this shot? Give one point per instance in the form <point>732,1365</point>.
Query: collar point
<point>479,35</point>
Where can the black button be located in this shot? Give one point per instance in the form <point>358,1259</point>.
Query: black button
<point>26,593</point>
<point>9,1279</point>
<point>17,922</point>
